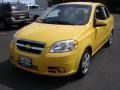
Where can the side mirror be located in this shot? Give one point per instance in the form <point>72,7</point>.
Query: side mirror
<point>99,23</point>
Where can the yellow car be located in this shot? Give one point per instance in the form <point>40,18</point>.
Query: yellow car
<point>62,41</point>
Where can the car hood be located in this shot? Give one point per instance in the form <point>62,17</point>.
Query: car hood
<point>49,33</point>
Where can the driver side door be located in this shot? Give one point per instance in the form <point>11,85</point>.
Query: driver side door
<point>100,31</point>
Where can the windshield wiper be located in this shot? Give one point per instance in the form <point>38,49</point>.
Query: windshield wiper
<point>63,22</point>
<point>54,22</point>
<point>57,22</point>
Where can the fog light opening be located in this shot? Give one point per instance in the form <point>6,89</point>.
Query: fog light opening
<point>60,70</point>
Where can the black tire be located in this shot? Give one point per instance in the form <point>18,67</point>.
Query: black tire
<point>22,24</point>
<point>84,63</point>
<point>2,25</point>
<point>35,17</point>
<point>109,42</point>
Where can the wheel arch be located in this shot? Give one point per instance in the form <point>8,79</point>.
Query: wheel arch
<point>35,17</point>
<point>87,47</point>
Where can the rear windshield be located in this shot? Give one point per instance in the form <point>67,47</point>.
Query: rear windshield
<point>14,7</point>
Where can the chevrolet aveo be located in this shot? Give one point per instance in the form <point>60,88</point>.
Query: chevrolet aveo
<point>62,41</point>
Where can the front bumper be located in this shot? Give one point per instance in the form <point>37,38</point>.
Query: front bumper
<point>13,21</point>
<point>50,64</point>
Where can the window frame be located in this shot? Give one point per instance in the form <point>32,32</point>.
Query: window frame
<point>106,11</point>
<point>100,7</point>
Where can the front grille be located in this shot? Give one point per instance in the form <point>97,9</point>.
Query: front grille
<point>21,15</point>
<point>30,46</point>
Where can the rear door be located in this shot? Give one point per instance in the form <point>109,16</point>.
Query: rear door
<point>109,21</point>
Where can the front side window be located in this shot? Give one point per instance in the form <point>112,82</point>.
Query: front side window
<point>99,13</point>
<point>68,14</point>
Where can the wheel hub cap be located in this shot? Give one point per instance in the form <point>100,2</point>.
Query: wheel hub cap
<point>86,62</point>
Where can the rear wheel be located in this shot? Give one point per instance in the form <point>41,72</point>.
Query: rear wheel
<point>109,42</point>
<point>85,63</point>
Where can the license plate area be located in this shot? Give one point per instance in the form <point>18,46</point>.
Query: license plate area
<point>21,17</point>
<point>25,61</point>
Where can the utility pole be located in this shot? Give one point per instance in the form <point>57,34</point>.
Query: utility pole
<point>18,1</point>
<point>2,1</point>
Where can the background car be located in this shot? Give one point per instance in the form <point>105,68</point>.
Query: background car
<point>35,11</point>
<point>13,14</point>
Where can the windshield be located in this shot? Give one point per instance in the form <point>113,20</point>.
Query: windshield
<point>19,7</point>
<point>68,14</point>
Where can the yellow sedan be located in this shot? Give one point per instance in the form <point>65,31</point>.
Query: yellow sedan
<point>62,41</point>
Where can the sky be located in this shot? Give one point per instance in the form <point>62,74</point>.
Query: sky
<point>30,2</point>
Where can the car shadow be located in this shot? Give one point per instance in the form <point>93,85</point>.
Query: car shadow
<point>15,78</point>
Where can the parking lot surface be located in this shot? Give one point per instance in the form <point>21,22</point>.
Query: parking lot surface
<point>104,73</point>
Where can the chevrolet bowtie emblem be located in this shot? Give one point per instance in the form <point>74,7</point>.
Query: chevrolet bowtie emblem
<point>28,46</point>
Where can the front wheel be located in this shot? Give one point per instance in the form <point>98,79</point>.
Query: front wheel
<point>85,63</point>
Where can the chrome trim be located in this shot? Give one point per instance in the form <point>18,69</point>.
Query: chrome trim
<point>34,48</point>
<point>32,41</point>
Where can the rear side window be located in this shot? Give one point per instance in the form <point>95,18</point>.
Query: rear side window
<point>107,14</point>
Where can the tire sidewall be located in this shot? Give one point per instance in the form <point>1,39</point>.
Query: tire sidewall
<point>110,39</point>
<point>80,69</point>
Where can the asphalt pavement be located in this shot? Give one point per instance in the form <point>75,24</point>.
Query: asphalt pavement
<point>104,73</point>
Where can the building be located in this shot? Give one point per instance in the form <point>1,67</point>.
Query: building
<point>42,3</point>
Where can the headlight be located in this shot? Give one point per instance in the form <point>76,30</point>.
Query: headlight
<point>64,46</point>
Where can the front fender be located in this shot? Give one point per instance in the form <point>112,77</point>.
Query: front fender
<point>86,41</point>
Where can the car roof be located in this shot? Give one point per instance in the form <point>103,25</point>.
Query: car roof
<point>12,3</point>
<point>83,3</point>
